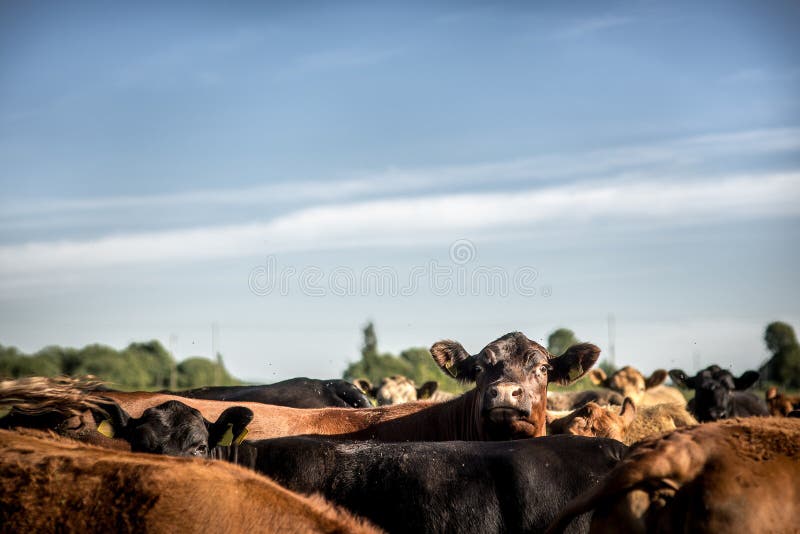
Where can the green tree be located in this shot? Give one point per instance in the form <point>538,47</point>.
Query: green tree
<point>415,363</point>
<point>138,366</point>
<point>197,372</point>
<point>155,360</point>
<point>559,341</point>
<point>784,365</point>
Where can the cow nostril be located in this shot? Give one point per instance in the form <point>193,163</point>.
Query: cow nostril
<point>493,392</point>
<point>517,392</point>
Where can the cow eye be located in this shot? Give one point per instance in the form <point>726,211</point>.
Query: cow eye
<point>477,369</point>
<point>201,450</point>
<point>544,368</point>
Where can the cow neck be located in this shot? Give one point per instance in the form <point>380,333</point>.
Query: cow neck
<point>453,420</point>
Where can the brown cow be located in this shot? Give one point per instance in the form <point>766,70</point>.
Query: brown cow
<point>738,475</point>
<point>397,389</point>
<point>593,420</point>
<point>511,375</point>
<point>780,403</point>
<point>631,383</point>
<point>57,485</point>
<point>629,426</point>
<point>572,400</point>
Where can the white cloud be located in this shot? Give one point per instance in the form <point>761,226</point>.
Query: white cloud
<point>592,25</point>
<point>677,156</point>
<point>342,58</point>
<point>762,75</point>
<point>415,220</point>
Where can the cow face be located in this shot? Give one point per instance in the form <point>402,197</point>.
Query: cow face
<point>713,390</point>
<point>778,403</point>
<point>175,429</point>
<point>398,389</point>
<point>511,376</point>
<point>593,420</point>
<point>628,382</point>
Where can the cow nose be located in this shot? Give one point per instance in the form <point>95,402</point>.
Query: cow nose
<point>516,391</point>
<point>506,394</point>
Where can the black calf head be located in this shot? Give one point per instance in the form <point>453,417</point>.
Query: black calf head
<point>175,429</point>
<point>511,376</point>
<point>713,390</point>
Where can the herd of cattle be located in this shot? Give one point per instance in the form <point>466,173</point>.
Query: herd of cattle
<point>315,456</point>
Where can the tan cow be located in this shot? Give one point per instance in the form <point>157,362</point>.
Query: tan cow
<point>733,476</point>
<point>643,391</point>
<point>628,425</point>
<point>780,403</point>
<point>49,486</point>
<point>397,389</point>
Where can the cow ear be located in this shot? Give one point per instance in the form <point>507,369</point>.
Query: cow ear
<point>113,421</point>
<point>230,427</point>
<point>680,379</point>
<point>454,360</point>
<point>427,389</point>
<point>772,393</point>
<point>628,411</point>
<point>598,377</point>
<point>365,386</point>
<point>747,379</point>
<point>573,364</point>
<point>655,379</point>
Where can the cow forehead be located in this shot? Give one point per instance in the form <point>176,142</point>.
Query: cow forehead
<point>513,347</point>
<point>396,380</point>
<point>628,375</point>
<point>707,380</point>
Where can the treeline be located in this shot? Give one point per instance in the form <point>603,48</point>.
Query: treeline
<point>782,368</point>
<point>415,363</point>
<point>145,366</point>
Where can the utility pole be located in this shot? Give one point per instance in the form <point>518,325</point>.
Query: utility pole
<point>215,356</point>
<point>612,334</point>
<point>173,367</point>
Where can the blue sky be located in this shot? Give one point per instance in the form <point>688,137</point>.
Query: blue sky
<point>641,158</point>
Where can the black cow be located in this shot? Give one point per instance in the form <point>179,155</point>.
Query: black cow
<point>174,429</point>
<point>171,428</point>
<point>294,393</point>
<point>451,486</point>
<point>719,395</point>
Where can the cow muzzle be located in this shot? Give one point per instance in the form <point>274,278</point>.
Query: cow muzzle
<point>506,401</point>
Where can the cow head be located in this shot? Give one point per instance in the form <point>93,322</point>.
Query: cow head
<point>713,390</point>
<point>397,389</point>
<point>628,381</point>
<point>175,429</point>
<point>778,403</point>
<point>594,420</point>
<point>511,376</point>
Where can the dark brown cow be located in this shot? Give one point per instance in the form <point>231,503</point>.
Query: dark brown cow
<point>49,485</point>
<point>740,475</point>
<point>780,403</point>
<point>511,376</point>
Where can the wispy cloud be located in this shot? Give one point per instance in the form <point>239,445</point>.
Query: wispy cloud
<point>425,219</point>
<point>762,75</point>
<point>586,27</point>
<point>675,158</point>
<point>335,59</point>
